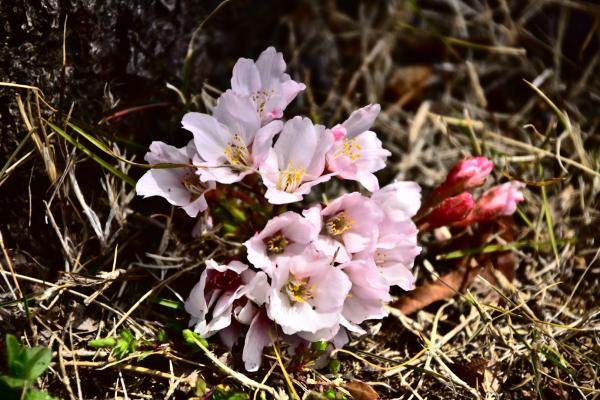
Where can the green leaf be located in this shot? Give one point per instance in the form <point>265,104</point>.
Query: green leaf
<point>173,304</point>
<point>13,382</point>
<point>330,394</point>
<point>39,395</point>
<point>38,360</point>
<point>320,346</point>
<point>201,387</point>
<point>225,393</point>
<point>13,350</point>
<point>335,366</point>
<point>193,338</point>
<point>162,336</point>
<point>102,342</point>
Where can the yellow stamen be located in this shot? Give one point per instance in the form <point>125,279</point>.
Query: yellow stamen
<point>261,98</point>
<point>276,244</point>
<point>237,153</point>
<point>339,223</point>
<point>290,178</point>
<point>350,148</point>
<point>299,291</point>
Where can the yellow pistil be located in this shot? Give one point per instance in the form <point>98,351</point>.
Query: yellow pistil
<point>276,244</point>
<point>339,223</point>
<point>350,148</point>
<point>299,291</point>
<point>290,178</point>
<point>237,153</point>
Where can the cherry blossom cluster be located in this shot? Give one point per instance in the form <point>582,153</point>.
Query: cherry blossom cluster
<point>315,273</point>
<point>245,135</point>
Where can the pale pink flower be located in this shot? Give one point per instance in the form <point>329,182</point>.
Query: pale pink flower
<point>396,247</point>
<point>232,143</point>
<point>399,200</point>
<point>266,84</point>
<point>179,186</point>
<point>357,152</point>
<point>349,224</point>
<point>369,293</point>
<point>450,210</point>
<point>223,291</point>
<point>307,294</point>
<point>395,252</point>
<point>286,235</point>
<point>331,247</point>
<point>352,219</point>
<point>295,163</point>
<point>495,202</point>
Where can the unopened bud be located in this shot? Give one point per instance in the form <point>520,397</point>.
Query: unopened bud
<point>495,202</point>
<point>466,174</point>
<point>450,210</point>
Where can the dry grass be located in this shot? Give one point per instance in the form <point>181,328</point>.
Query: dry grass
<point>451,78</point>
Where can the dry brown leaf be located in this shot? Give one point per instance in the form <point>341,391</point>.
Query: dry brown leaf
<point>408,83</point>
<point>361,391</point>
<point>467,268</point>
<point>444,288</point>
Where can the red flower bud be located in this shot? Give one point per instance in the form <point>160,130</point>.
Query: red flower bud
<point>466,174</point>
<point>450,210</point>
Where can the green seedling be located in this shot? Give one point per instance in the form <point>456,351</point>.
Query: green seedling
<point>24,365</point>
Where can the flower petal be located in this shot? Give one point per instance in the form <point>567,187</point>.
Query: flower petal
<point>264,140</point>
<point>210,136</point>
<point>271,67</point>
<point>245,79</point>
<point>238,114</point>
<point>257,338</point>
<point>361,120</point>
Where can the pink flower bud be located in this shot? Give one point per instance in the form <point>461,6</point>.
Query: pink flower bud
<point>495,202</point>
<point>450,210</point>
<point>466,174</point>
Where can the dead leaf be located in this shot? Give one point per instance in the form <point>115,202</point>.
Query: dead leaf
<point>361,391</point>
<point>466,268</point>
<point>478,374</point>
<point>443,288</point>
<point>408,83</point>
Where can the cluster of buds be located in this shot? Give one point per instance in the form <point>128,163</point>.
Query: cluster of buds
<point>310,275</point>
<point>451,203</point>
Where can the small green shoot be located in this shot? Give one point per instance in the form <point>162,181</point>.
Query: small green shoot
<point>122,346</point>
<point>25,365</point>
<point>225,393</point>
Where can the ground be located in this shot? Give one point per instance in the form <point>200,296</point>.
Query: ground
<point>84,258</point>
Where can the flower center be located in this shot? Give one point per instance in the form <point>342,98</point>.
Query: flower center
<point>237,153</point>
<point>298,290</point>
<point>276,244</point>
<point>290,178</point>
<point>339,223</point>
<point>379,257</point>
<point>193,184</point>
<point>261,98</point>
<point>349,148</point>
